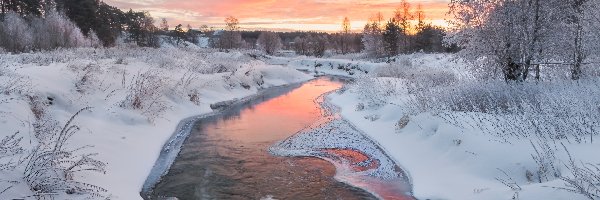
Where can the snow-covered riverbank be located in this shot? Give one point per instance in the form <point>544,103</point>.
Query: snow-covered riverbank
<point>476,153</point>
<point>137,98</point>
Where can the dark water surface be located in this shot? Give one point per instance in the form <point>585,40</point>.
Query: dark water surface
<point>226,156</point>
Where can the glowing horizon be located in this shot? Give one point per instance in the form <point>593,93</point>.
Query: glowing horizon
<point>280,15</point>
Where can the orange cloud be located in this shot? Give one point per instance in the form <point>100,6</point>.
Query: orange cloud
<point>325,15</point>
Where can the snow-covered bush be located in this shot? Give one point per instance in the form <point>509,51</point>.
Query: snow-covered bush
<point>51,167</point>
<point>145,93</point>
<point>584,179</point>
<point>52,31</point>
<point>87,76</point>
<point>185,87</point>
<point>15,33</point>
<point>546,161</point>
<point>9,147</point>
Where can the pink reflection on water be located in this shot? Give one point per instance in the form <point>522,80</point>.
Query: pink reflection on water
<point>350,163</point>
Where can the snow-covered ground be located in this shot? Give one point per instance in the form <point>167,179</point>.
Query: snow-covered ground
<point>136,98</point>
<point>456,135</point>
<point>454,151</point>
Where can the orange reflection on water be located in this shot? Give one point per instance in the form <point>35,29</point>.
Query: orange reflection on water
<point>357,161</point>
<point>287,114</point>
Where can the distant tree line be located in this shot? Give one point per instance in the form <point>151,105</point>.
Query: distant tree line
<point>80,23</point>
<point>387,38</point>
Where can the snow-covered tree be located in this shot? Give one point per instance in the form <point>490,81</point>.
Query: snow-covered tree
<point>514,35</point>
<point>270,42</point>
<point>16,34</point>
<point>373,39</point>
<point>56,30</point>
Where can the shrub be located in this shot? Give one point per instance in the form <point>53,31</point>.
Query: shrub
<point>145,93</point>
<point>51,167</point>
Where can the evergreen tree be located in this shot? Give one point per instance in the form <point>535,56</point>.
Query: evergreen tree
<point>110,23</point>
<point>141,29</point>
<point>82,12</point>
<point>390,38</point>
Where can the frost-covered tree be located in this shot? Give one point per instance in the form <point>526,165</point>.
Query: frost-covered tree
<point>373,39</point>
<point>56,30</point>
<point>514,35</point>
<point>16,34</point>
<point>270,42</point>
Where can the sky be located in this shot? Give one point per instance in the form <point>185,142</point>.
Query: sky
<point>280,15</point>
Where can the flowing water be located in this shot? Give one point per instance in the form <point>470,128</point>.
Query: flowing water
<point>226,156</point>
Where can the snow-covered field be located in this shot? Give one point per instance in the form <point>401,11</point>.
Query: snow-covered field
<point>135,98</point>
<point>462,137</point>
<point>456,134</point>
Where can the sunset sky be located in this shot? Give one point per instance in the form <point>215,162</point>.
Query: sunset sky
<point>285,15</point>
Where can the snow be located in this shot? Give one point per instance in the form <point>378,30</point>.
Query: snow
<point>445,153</point>
<point>460,160</point>
<point>127,140</point>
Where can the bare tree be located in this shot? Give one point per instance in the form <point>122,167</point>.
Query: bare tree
<point>270,42</point>
<point>164,25</point>
<point>402,18</point>
<point>231,38</point>
<point>345,36</point>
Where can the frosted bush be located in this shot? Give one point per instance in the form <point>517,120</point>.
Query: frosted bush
<point>15,35</point>
<point>9,147</point>
<point>145,93</point>
<point>51,167</point>
<point>53,31</point>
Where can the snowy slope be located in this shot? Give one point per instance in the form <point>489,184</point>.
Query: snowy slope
<point>459,160</point>
<point>126,138</point>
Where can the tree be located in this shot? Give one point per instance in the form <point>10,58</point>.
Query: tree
<point>576,20</point>
<point>191,35</point>
<point>510,35</point>
<point>270,42</point>
<point>430,39</point>
<point>204,28</point>
<point>301,45</point>
<point>110,23</point>
<point>345,36</point>
<point>390,38</point>
<point>141,29</point>
<point>346,27</point>
<point>16,35</point>
<point>179,34</point>
<point>23,7</point>
<point>231,37</point>
<point>83,13</point>
<point>420,15</point>
<point>232,24</point>
<point>164,25</point>
<point>402,17</point>
<point>372,39</point>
